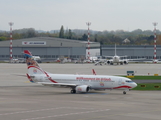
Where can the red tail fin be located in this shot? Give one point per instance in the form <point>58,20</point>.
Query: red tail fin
<point>29,58</point>
<point>94,73</point>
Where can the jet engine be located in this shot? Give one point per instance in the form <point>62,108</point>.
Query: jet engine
<point>82,88</point>
<point>125,62</point>
<point>108,62</point>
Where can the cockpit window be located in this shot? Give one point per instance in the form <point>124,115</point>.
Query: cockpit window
<point>129,81</point>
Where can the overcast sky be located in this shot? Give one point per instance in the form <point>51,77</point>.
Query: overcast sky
<point>108,15</point>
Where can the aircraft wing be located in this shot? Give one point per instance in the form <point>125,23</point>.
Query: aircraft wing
<point>153,61</point>
<point>137,60</point>
<point>113,56</point>
<point>110,60</point>
<point>57,84</point>
<point>122,60</point>
<point>148,61</point>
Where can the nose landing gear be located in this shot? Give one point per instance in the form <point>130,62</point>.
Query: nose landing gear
<point>124,92</point>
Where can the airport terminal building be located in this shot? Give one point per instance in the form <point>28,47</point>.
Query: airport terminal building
<point>53,48</point>
<point>131,51</point>
<point>46,47</point>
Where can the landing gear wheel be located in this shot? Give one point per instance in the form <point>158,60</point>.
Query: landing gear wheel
<point>73,91</point>
<point>124,92</point>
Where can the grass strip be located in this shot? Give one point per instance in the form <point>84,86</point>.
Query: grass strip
<point>148,86</point>
<point>144,77</point>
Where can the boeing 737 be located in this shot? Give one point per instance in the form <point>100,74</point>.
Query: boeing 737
<point>116,59</point>
<point>77,83</point>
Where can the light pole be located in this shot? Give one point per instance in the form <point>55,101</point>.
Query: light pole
<point>88,56</point>
<point>155,41</point>
<point>10,24</point>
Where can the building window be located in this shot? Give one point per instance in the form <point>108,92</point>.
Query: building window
<point>7,56</point>
<point>53,56</point>
<point>19,56</point>
<point>48,56</point>
<point>150,57</point>
<point>56,56</point>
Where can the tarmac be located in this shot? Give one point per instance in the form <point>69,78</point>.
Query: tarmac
<point>22,100</point>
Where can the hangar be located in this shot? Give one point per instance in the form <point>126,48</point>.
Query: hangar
<point>131,51</point>
<point>53,48</point>
<point>46,47</point>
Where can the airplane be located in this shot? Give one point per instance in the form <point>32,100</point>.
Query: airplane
<point>63,60</point>
<point>13,60</point>
<point>116,59</point>
<point>144,60</point>
<point>156,61</point>
<point>93,59</point>
<point>77,83</point>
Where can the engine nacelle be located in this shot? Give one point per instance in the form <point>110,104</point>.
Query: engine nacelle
<point>125,62</point>
<point>108,62</point>
<point>82,88</point>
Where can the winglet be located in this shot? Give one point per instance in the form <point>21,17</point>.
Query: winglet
<point>94,73</point>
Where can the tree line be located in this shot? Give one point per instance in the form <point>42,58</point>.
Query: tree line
<point>136,37</point>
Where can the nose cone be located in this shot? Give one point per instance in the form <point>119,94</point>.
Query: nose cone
<point>134,85</point>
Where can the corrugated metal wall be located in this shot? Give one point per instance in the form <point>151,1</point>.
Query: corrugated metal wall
<point>44,52</point>
<point>131,51</point>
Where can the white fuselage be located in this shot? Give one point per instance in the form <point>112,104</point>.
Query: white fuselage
<point>94,81</point>
<point>116,59</point>
<point>78,83</point>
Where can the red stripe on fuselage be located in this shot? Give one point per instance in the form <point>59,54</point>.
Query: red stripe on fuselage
<point>29,78</point>
<point>35,67</point>
<point>50,78</point>
<point>117,87</point>
<point>122,87</point>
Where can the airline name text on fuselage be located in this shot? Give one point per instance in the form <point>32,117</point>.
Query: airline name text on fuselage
<point>101,79</point>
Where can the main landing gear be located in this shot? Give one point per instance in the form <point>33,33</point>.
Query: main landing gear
<point>73,91</point>
<point>124,92</point>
